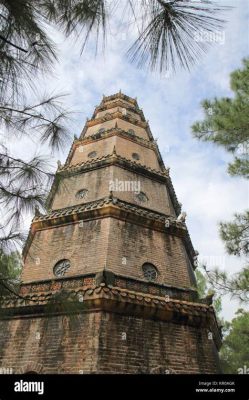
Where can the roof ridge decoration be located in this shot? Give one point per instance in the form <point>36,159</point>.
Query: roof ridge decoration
<point>109,288</point>
<point>118,131</point>
<point>111,298</point>
<point>101,202</point>
<point>110,156</point>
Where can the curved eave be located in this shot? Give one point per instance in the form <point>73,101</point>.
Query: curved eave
<point>122,301</point>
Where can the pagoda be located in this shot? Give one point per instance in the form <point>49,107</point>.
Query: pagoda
<point>114,238</point>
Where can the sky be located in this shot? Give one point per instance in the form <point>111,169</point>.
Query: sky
<point>171,103</point>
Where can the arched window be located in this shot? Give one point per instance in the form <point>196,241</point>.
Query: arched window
<point>135,156</point>
<point>92,154</point>
<point>61,267</point>
<point>150,272</point>
<point>141,197</point>
<point>81,194</point>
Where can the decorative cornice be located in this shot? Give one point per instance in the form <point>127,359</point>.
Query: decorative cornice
<point>122,281</point>
<point>110,200</point>
<point>141,168</point>
<point>114,299</point>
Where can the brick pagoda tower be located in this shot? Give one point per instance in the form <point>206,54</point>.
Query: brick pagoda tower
<point>112,238</point>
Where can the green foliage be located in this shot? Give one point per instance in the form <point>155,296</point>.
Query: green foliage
<point>237,286</point>
<point>10,269</point>
<point>204,289</point>
<point>235,234</point>
<point>234,353</point>
<point>226,122</point>
<point>25,47</point>
<point>80,18</point>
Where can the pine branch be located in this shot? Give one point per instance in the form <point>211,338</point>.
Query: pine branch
<point>12,44</point>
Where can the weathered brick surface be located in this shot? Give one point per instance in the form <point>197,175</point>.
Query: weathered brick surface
<point>101,341</point>
<point>124,148</point>
<point>88,253</point>
<point>105,242</point>
<point>97,182</point>
<point>104,343</point>
<point>65,345</point>
<point>139,245</point>
<point>153,346</point>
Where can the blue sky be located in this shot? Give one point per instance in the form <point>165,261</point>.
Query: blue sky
<point>171,104</point>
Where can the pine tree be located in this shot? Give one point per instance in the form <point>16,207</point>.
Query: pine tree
<point>226,124</point>
<point>234,351</point>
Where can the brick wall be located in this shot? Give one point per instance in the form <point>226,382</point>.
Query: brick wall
<point>107,240</point>
<point>86,255</point>
<point>124,148</point>
<point>97,184</point>
<point>157,346</point>
<point>65,345</point>
<point>139,245</point>
<point>105,343</point>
